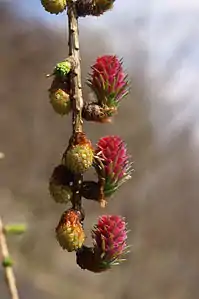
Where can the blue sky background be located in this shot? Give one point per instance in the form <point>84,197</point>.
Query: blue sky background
<point>167,26</point>
<point>169,32</point>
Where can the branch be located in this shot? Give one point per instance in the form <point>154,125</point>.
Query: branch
<point>75,91</point>
<point>76,85</point>
<point>9,274</point>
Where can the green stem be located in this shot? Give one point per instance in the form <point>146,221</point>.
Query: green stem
<point>6,261</point>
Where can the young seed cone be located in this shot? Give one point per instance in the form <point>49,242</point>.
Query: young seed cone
<point>60,184</point>
<point>54,6</point>
<point>79,159</point>
<point>69,232</point>
<point>60,101</point>
<point>79,156</point>
<point>59,95</point>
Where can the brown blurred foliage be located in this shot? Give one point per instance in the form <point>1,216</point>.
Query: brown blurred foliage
<point>160,202</point>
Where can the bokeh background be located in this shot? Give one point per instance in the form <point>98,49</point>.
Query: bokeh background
<point>159,41</point>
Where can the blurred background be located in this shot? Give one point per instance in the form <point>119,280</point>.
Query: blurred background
<point>159,41</point>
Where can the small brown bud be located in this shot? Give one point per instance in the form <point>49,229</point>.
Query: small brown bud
<point>94,112</point>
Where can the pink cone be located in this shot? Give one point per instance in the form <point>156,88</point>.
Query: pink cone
<point>117,168</point>
<point>109,238</point>
<point>108,81</point>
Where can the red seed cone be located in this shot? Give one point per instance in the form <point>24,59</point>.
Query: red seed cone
<point>117,168</point>
<point>108,81</point>
<point>69,232</point>
<point>109,238</point>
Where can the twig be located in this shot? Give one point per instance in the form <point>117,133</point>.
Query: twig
<point>9,273</point>
<point>76,85</point>
<point>75,91</point>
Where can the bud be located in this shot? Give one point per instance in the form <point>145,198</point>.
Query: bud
<point>101,6</point>
<point>7,262</point>
<point>15,229</point>
<point>93,7</point>
<point>108,81</point>
<point>117,168</point>
<point>59,94</point>
<point>88,259</point>
<point>60,101</point>
<point>62,68</point>
<point>94,191</point>
<point>69,232</point>
<point>54,6</point>
<point>60,185</point>
<point>90,190</point>
<point>109,238</point>
<point>94,112</point>
<point>79,156</point>
<point>60,82</point>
